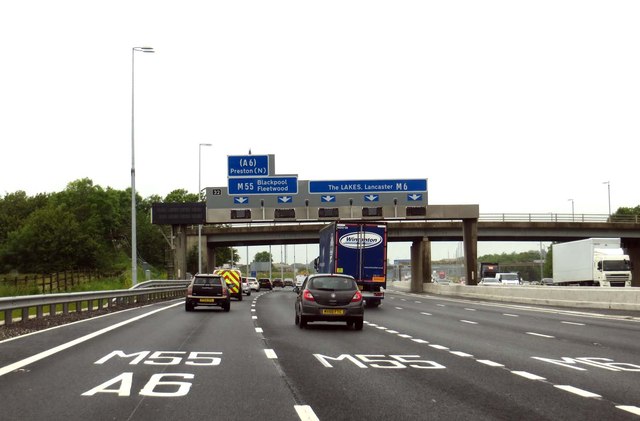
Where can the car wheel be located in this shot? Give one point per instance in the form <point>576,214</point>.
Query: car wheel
<point>303,322</point>
<point>297,319</point>
<point>240,296</point>
<point>188,306</point>
<point>359,324</point>
<point>249,293</point>
<point>350,324</point>
<point>227,306</point>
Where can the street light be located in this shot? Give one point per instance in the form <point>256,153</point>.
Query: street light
<point>200,198</point>
<point>572,210</point>
<point>608,194</point>
<point>134,250</point>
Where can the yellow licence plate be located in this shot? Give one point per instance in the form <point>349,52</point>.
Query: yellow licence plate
<point>333,311</point>
<point>207,300</point>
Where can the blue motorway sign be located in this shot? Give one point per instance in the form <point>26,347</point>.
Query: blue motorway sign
<point>280,185</point>
<point>368,186</point>
<point>248,165</point>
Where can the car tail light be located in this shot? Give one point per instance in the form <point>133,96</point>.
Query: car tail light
<point>307,295</point>
<point>356,297</point>
<point>225,291</point>
<point>190,290</point>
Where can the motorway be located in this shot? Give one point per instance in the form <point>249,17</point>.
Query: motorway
<point>418,357</point>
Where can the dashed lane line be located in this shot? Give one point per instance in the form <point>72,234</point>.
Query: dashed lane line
<point>306,413</point>
<point>574,323</point>
<point>510,315</point>
<point>630,408</point>
<point>469,322</point>
<point>540,335</point>
<point>490,363</point>
<point>271,354</point>
<point>579,392</point>
<point>528,375</point>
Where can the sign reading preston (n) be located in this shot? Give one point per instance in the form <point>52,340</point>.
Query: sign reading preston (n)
<point>248,165</point>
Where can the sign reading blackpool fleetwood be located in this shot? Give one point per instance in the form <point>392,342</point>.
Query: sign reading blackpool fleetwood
<point>263,185</point>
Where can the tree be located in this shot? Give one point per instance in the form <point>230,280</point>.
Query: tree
<point>263,256</point>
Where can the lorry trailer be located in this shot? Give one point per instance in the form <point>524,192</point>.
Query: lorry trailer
<point>591,262</point>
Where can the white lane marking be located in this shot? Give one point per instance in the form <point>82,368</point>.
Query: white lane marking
<point>404,335</point>
<point>439,347</point>
<point>510,315</point>
<point>403,299</point>
<point>461,354</point>
<point>381,328</point>
<point>630,408</point>
<point>259,330</point>
<point>254,317</point>
<point>392,331</point>
<point>427,314</point>
<point>490,363</point>
<point>579,392</point>
<point>420,341</point>
<point>372,324</point>
<point>418,302</point>
<point>253,309</point>
<point>271,354</point>
<point>306,413</point>
<point>440,305</point>
<point>44,354</point>
<point>540,334</point>
<point>528,375</point>
<point>574,323</point>
<point>398,308</point>
<point>470,309</point>
<point>469,321</point>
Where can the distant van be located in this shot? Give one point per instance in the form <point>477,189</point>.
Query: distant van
<point>510,278</point>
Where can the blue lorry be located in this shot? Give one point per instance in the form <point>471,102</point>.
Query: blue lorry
<point>358,249</point>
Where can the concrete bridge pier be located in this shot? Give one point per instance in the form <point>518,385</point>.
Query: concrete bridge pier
<point>420,264</point>
<point>470,245</point>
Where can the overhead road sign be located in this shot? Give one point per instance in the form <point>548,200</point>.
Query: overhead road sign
<point>367,186</point>
<point>263,185</point>
<point>178,213</point>
<point>248,166</point>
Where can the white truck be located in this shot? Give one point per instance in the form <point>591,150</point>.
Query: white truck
<point>591,262</point>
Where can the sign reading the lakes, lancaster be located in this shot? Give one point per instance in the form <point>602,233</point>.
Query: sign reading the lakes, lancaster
<point>281,185</point>
<point>368,186</point>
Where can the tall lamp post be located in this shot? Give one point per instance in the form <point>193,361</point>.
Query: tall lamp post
<point>608,183</point>
<point>134,250</point>
<point>200,198</point>
<point>572,210</point>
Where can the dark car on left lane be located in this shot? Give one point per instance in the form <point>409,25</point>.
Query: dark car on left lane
<point>207,290</point>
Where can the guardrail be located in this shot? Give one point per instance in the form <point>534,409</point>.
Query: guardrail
<point>557,217</point>
<point>88,301</point>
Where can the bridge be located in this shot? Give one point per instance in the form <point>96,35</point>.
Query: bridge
<point>442,223</point>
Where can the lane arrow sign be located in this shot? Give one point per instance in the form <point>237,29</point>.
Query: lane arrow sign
<point>414,197</point>
<point>241,200</point>
<point>284,199</point>
<point>328,198</point>
<point>371,198</point>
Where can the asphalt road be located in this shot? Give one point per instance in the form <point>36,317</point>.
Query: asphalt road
<point>418,357</point>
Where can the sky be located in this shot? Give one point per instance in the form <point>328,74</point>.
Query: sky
<point>517,106</point>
